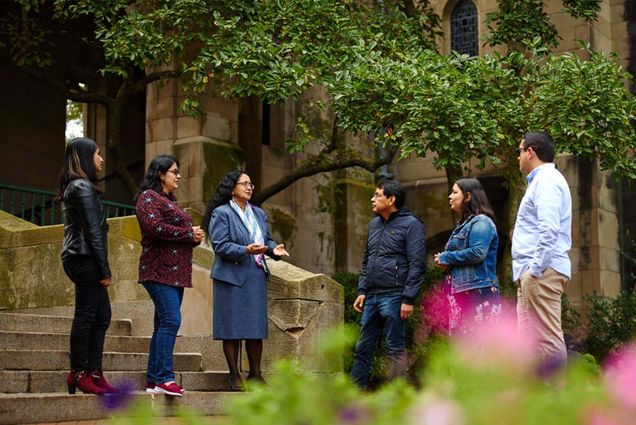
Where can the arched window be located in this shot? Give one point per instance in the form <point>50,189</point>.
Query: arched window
<point>464,34</point>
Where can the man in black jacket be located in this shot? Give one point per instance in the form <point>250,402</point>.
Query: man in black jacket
<point>392,273</point>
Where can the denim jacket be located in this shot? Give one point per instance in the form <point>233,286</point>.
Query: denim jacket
<point>471,254</point>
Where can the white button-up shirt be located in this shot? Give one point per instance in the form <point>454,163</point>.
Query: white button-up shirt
<point>543,231</point>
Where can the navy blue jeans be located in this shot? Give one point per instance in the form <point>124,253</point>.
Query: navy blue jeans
<point>167,300</point>
<point>381,315</point>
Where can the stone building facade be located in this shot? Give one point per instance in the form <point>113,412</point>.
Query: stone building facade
<point>323,219</point>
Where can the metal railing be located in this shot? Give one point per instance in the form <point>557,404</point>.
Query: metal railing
<point>39,206</point>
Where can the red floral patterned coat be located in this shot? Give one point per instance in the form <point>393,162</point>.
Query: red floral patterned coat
<point>167,240</point>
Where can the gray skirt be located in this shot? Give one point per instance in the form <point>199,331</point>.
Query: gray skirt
<point>240,312</point>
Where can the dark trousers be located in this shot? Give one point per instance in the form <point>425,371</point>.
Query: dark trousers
<point>92,313</point>
<point>167,301</point>
<point>381,315</point>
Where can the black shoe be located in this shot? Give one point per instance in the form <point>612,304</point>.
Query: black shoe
<point>256,378</point>
<point>235,383</point>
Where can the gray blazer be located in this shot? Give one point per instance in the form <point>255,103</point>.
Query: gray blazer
<point>230,238</point>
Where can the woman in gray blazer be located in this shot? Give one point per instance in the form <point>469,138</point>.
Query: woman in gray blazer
<point>239,233</point>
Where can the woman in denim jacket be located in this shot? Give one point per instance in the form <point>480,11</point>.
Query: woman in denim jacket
<point>470,259</point>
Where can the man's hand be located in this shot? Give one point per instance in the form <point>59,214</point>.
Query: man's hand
<point>358,304</point>
<point>405,311</point>
<point>106,282</point>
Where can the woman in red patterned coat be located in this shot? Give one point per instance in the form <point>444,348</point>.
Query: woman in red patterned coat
<point>165,265</point>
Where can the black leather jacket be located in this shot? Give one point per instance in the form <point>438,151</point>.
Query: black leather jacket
<point>85,226</point>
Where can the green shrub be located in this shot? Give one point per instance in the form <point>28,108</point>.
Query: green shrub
<point>611,322</point>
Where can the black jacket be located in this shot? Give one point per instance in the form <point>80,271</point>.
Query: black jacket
<point>85,227</point>
<point>395,256</point>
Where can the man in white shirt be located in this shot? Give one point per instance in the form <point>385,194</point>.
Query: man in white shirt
<point>540,243</point>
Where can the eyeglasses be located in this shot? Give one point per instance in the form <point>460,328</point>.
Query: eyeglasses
<point>519,150</point>
<point>175,172</point>
<point>246,185</point>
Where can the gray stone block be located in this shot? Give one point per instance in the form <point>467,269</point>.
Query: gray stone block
<point>53,324</point>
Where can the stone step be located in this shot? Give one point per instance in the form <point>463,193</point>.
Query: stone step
<point>59,341</point>
<point>58,360</point>
<point>212,351</point>
<point>52,381</point>
<point>19,322</point>
<point>60,407</point>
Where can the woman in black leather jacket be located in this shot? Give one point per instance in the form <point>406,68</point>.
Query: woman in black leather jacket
<point>85,260</point>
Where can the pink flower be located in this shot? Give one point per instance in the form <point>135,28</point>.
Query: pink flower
<point>435,309</point>
<point>497,344</point>
<point>620,376</point>
<point>435,410</point>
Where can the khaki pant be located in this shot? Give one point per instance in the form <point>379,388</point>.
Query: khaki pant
<point>539,312</point>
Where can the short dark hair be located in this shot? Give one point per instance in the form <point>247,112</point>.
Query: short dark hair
<point>478,203</point>
<point>78,163</point>
<point>542,143</point>
<point>393,188</point>
<point>159,165</point>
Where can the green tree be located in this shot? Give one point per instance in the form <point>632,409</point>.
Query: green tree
<point>266,48</point>
<point>463,109</point>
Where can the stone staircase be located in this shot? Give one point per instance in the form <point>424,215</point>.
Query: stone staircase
<point>34,364</point>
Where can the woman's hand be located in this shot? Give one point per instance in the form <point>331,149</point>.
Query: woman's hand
<point>437,262</point>
<point>255,249</point>
<point>106,282</point>
<point>197,233</point>
<point>280,251</point>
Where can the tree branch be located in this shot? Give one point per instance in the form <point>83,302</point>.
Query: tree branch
<point>64,90</point>
<point>321,163</point>
<point>151,78</point>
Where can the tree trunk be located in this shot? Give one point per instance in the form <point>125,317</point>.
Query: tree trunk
<point>516,189</point>
<point>113,143</point>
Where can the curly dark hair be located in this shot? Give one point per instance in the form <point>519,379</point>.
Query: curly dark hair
<point>222,196</point>
<point>78,163</point>
<point>159,165</point>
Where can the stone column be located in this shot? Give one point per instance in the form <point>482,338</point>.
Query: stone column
<point>206,145</point>
<point>595,250</point>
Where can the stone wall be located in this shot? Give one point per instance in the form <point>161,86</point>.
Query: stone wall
<point>303,306</point>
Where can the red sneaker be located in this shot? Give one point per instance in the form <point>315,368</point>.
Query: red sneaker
<point>150,388</point>
<point>169,388</point>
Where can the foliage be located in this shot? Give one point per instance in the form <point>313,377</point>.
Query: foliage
<point>479,108</point>
<point>267,48</point>
<point>611,322</point>
<point>517,20</point>
<point>570,316</point>
<point>464,379</point>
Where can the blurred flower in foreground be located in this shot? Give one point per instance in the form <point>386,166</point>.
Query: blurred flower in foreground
<point>496,344</point>
<point>118,400</point>
<point>435,309</point>
<point>550,366</point>
<point>353,415</point>
<point>620,377</point>
<point>435,410</point>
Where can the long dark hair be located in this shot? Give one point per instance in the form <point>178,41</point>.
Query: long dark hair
<point>159,165</point>
<point>78,163</point>
<point>222,196</point>
<point>478,203</point>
